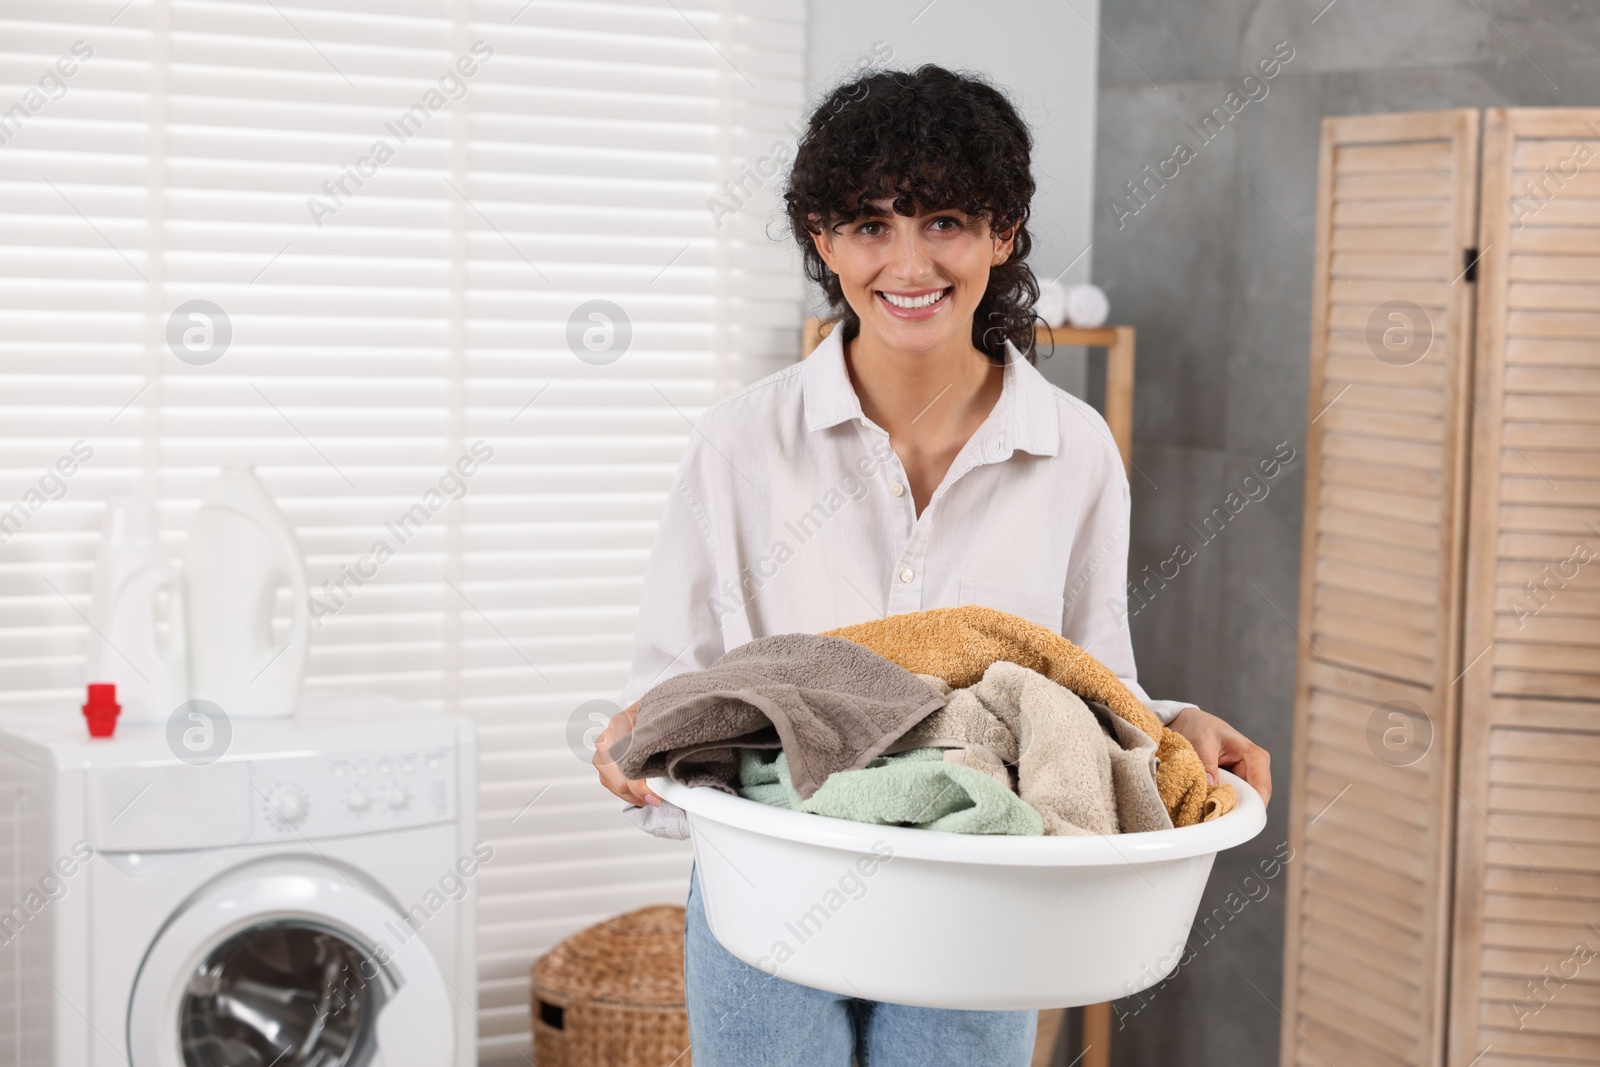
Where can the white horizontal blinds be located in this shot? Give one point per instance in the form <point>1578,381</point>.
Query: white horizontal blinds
<point>389,308</point>
<point>1527,914</point>
<point>1373,775</point>
<point>336,382</point>
<point>74,101</point>
<point>594,149</point>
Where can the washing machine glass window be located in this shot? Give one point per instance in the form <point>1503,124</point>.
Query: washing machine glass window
<point>289,993</point>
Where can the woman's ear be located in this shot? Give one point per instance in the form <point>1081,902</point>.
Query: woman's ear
<point>1004,247</point>
<point>823,241</point>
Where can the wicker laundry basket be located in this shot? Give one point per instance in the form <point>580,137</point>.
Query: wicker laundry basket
<point>612,995</point>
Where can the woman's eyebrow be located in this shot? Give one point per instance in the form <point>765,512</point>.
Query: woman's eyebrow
<point>869,209</point>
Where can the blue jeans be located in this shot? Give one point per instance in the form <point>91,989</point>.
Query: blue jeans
<point>741,1016</point>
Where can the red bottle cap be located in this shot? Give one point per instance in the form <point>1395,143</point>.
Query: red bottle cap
<point>102,709</point>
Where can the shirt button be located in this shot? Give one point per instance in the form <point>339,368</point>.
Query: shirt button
<point>907,574</point>
<point>897,489</point>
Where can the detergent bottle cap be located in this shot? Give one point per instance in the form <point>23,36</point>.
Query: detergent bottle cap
<point>102,709</point>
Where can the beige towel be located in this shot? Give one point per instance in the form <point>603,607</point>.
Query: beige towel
<point>1071,765</point>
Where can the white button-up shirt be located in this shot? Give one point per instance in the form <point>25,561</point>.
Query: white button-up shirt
<point>790,514</point>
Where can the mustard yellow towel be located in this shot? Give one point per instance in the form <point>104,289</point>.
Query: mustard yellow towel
<point>959,644</point>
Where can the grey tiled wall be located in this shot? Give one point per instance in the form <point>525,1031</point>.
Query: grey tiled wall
<point>1215,271</point>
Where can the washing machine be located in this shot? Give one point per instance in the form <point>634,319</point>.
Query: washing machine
<point>301,893</point>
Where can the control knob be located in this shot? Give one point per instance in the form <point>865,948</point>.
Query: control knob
<point>289,805</point>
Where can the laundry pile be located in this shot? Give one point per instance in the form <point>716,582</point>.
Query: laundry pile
<point>964,719</point>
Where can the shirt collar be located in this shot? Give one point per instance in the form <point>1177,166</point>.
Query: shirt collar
<point>1025,417</point>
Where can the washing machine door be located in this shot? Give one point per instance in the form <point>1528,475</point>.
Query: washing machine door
<point>289,964</point>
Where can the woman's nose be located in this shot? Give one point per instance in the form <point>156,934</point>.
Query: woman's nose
<point>907,256</point>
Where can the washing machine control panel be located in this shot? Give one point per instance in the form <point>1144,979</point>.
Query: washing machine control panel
<point>310,796</point>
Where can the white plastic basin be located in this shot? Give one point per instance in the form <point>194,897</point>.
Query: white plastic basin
<point>945,920</point>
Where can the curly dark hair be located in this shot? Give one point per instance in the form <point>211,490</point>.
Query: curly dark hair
<point>933,138</point>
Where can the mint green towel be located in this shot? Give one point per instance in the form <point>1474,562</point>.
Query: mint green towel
<point>918,787</point>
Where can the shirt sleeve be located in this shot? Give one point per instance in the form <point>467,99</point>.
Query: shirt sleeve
<point>1096,613</point>
<point>676,630</point>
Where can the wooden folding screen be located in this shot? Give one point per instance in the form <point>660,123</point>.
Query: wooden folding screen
<point>1525,984</point>
<point>1372,777</point>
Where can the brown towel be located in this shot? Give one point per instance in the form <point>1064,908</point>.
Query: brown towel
<point>830,704</point>
<point>1070,767</point>
<point>959,644</point>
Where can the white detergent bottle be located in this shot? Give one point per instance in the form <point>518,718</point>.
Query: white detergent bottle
<point>240,553</point>
<point>136,637</point>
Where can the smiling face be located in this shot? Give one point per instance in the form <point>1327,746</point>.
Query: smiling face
<point>914,281</point>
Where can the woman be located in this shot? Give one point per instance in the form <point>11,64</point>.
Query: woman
<point>915,460</point>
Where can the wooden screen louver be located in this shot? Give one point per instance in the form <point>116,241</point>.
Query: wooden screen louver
<point>1372,774</point>
<point>1525,984</point>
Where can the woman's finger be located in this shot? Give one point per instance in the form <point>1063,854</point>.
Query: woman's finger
<point>1257,764</point>
<point>1218,743</point>
<point>1208,746</point>
<point>620,725</point>
<point>633,790</point>
<point>1253,764</point>
<point>1205,734</point>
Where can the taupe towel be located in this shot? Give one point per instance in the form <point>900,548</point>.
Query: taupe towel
<point>1084,771</point>
<point>1133,773</point>
<point>830,704</point>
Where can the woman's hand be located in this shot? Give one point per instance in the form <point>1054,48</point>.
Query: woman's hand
<point>633,790</point>
<point>1217,742</point>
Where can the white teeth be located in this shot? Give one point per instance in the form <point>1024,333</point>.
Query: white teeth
<point>913,302</point>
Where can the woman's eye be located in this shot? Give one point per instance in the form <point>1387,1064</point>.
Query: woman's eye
<point>873,229</point>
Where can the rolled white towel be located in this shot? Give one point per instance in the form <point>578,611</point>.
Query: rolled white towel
<point>1087,306</point>
<point>1052,303</point>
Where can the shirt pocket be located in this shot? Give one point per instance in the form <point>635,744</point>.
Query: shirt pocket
<point>1042,608</point>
